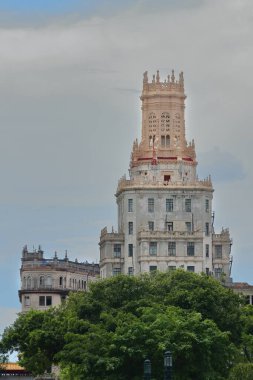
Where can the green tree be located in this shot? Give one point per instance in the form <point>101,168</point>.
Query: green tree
<point>109,331</point>
<point>242,371</point>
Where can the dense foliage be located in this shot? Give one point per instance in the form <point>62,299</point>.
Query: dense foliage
<point>108,332</point>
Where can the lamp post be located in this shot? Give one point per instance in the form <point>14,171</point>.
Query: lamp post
<point>167,365</point>
<point>147,369</point>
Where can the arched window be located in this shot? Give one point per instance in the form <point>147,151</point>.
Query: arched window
<point>60,281</point>
<point>49,281</point>
<point>165,122</point>
<point>165,141</point>
<point>29,282</point>
<point>152,123</point>
<point>42,281</point>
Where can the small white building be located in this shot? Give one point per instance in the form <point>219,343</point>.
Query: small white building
<point>165,217</point>
<point>47,282</point>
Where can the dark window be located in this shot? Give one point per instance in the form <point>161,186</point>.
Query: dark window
<point>116,271</point>
<point>207,250</point>
<point>151,226</point>
<point>42,300</point>
<point>207,271</point>
<point>117,250</point>
<point>166,178</point>
<point>130,228</point>
<point>169,205</point>
<point>188,205</point>
<point>188,226</point>
<point>42,281</point>
<point>170,226</point>
<point>207,229</point>
<point>152,268</point>
<point>130,205</point>
<point>190,268</point>
<point>218,251</point>
<point>172,267</point>
<point>151,204</point>
<point>48,300</point>
<point>190,248</point>
<point>217,272</point>
<point>130,250</point>
<point>130,271</point>
<point>27,301</point>
<point>207,205</point>
<point>153,248</point>
<point>172,248</point>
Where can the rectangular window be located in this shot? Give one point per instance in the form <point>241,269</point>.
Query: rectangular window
<point>117,250</point>
<point>130,271</point>
<point>207,271</point>
<point>188,227</point>
<point>151,226</point>
<point>217,272</point>
<point>130,205</point>
<point>151,204</point>
<point>190,248</point>
<point>153,248</point>
<point>218,251</point>
<point>172,267</point>
<point>152,268</point>
<point>207,205</point>
<point>130,228</point>
<point>116,271</point>
<point>41,300</point>
<point>163,141</point>
<point>190,268</point>
<point>48,300</point>
<point>170,226</point>
<point>172,248</point>
<point>188,205</point>
<point>207,250</point>
<point>130,250</point>
<point>207,229</point>
<point>27,301</point>
<point>169,205</point>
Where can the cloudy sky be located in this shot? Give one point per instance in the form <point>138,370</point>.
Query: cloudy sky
<point>70,80</point>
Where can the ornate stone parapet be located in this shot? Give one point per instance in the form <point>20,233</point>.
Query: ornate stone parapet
<point>138,183</point>
<point>170,84</point>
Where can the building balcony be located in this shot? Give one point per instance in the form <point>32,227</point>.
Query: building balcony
<point>111,236</point>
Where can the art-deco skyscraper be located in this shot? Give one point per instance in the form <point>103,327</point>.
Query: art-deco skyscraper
<point>165,218</point>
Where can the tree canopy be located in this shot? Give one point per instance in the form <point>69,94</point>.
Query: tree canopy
<point>110,330</point>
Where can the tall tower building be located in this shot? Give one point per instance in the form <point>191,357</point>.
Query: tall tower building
<point>165,218</point>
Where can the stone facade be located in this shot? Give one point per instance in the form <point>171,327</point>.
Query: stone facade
<point>47,282</point>
<point>165,217</point>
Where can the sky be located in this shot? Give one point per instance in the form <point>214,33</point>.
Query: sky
<point>70,80</point>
